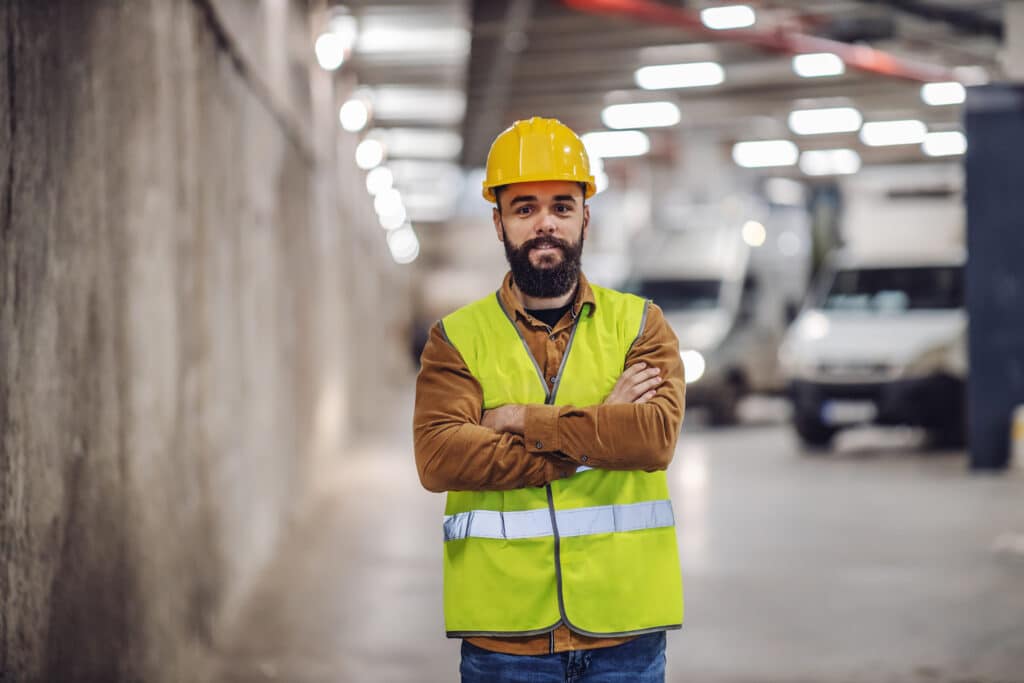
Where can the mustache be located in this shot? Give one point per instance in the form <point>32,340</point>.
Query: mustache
<point>543,243</point>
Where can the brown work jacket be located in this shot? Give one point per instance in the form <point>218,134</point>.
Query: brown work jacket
<point>455,453</point>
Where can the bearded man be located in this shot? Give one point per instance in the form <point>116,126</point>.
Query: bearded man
<point>549,412</point>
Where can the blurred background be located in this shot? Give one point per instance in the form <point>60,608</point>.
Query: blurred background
<point>226,227</point>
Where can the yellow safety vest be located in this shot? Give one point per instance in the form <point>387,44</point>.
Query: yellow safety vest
<point>595,551</point>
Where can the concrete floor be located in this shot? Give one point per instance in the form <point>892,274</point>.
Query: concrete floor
<point>877,562</point>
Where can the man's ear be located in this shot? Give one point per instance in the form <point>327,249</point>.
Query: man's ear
<point>499,229</point>
<point>586,220</point>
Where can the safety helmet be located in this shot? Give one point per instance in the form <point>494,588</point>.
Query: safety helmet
<point>537,149</point>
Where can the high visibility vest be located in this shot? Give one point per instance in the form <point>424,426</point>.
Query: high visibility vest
<point>595,551</point>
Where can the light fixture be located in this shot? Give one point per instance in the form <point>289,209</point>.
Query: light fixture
<point>640,115</point>
<point>330,51</point>
<point>378,180</point>
<point>369,154</point>
<point>380,37</point>
<point>424,105</point>
<point>403,244</point>
<point>728,16</point>
<point>830,162</point>
<point>827,120</point>
<point>901,132</point>
<point>354,115</point>
<point>420,143</point>
<point>947,92</point>
<point>388,202</point>
<point>817,64</point>
<point>754,233</point>
<point>761,153</point>
<point>393,221</point>
<point>690,75</point>
<point>944,143</point>
<point>616,143</point>
<point>693,365</point>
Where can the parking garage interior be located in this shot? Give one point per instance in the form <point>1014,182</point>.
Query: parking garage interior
<point>227,226</point>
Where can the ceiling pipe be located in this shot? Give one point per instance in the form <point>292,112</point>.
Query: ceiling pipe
<point>858,57</point>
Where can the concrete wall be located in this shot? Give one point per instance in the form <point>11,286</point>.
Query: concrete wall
<point>178,259</point>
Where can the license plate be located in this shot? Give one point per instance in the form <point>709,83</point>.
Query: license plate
<point>848,412</point>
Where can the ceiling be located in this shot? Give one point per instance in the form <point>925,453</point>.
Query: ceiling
<point>468,68</point>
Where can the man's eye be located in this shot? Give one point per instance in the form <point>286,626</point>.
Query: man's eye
<point>523,210</point>
<point>563,208</point>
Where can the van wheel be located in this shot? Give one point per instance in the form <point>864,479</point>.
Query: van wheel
<point>723,412</point>
<point>814,434</point>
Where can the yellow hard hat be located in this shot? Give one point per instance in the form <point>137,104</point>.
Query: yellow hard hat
<point>537,149</point>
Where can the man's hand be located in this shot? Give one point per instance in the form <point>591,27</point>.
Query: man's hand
<point>509,418</point>
<point>637,384</point>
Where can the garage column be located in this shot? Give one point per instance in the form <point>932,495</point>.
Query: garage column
<point>995,243</point>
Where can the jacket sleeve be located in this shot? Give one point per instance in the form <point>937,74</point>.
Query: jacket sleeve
<point>622,436</point>
<point>453,451</point>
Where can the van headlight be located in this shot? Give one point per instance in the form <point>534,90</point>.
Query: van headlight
<point>693,364</point>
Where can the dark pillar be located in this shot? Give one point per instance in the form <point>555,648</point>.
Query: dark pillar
<point>995,268</point>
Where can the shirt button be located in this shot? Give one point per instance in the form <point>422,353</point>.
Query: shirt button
<point>553,379</point>
<point>539,445</point>
<point>584,458</point>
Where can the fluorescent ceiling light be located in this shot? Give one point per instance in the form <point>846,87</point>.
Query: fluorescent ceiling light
<point>616,143</point>
<point>640,115</point>
<point>903,132</point>
<point>830,120</point>
<point>330,51</point>
<point>379,38</point>
<point>945,143</point>
<point>369,153</point>
<point>829,162</point>
<point>690,75</point>
<point>403,244</point>
<point>388,202</point>
<point>971,75</point>
<point>815,64</point>
<point>378,180</point>
<point>419,143</point>
<point>761,153</point>
<point>433,105</point>
<point>354,115</point>
<point>729,16</point>
<point>938,94</point>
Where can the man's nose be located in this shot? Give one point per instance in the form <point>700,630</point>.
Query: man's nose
<point>546,223</point>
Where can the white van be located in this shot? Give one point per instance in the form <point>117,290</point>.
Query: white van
<point>882,339</point>
<point>728,327</point>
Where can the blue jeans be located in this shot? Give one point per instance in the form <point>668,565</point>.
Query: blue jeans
<point>641,660</point>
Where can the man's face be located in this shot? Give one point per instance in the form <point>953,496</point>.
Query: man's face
<point>543,225</point>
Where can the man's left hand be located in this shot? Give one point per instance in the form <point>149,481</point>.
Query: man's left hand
<point>508,418</point>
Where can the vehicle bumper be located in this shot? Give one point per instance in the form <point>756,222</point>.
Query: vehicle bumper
<point>928,402</point>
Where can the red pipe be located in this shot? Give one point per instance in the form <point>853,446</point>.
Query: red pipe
<point>780,40</point>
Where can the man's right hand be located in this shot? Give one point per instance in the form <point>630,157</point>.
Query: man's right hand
<point>637,384</point>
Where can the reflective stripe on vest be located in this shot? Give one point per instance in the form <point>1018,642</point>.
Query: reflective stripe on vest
<point>600,519</point>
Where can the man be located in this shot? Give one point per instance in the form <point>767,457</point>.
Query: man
<point>549,412</point>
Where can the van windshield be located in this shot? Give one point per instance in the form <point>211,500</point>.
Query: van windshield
<point>674,295</point>
<point>895,289</point>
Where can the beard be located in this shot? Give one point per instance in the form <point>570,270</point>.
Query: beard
<point>549,280</point>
